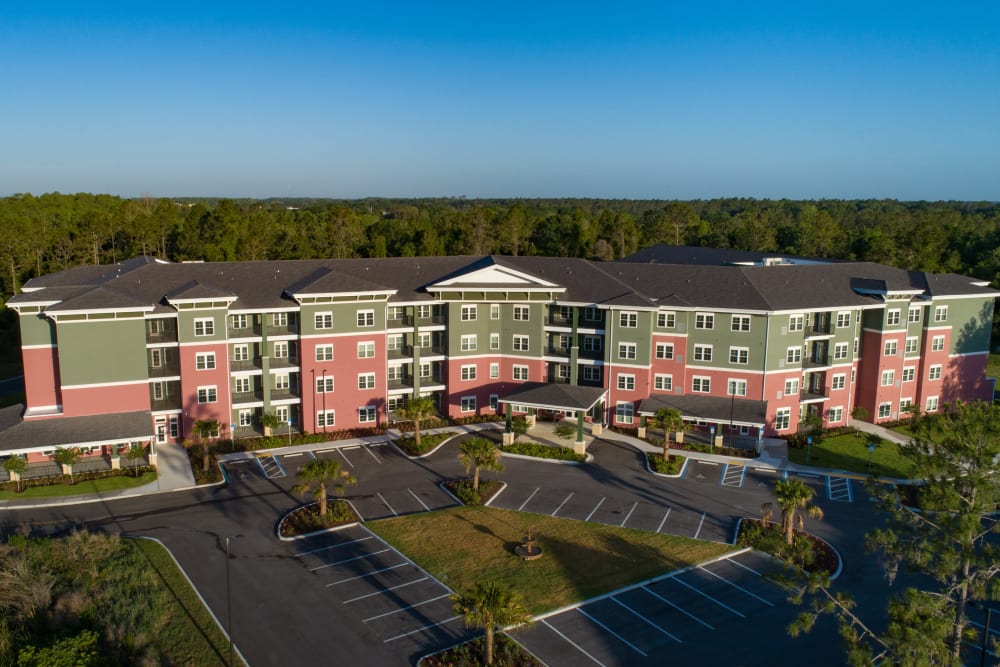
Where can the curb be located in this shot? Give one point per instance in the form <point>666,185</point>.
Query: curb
<point>314,533</point>
<point>542,459</point>
<point>836,552</point>
<point>663,474</point>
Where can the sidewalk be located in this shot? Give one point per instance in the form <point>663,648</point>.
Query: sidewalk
<point>883,433</point>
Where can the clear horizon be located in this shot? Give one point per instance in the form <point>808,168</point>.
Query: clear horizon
<point>392,100</point>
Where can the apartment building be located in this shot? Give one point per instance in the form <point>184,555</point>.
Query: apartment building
<point>742,342</point>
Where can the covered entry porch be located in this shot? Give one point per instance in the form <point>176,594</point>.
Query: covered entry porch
<point>571,400</point>
<point>731,422</point>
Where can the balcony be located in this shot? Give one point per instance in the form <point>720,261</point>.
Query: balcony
<point>292,328</point>
<point>817,360</point>
<point>250,331</point>
<point>821,326</point>
<point>286,393</point>
<point>166,335</point>
<point>284,362</point>
<point>401,352</point>
<point>244,364</point>
<point>399,322</point>
<point>558,319</point>
<point>557,349</point>
<point>591,354</point>
<point>248,396</point>
<point>400,383</point>
<point>807,396</point>
<point>172,369</point>
<point>165,403</point>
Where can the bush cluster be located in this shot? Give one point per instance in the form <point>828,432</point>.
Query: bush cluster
<point>65,480</point>
<point>427,443</point>
<point>672,466</point>
<point>543,451</point>
<point>506,653</point>
<point>462,489</point>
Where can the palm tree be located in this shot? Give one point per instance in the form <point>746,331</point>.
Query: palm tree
<point>16,465</point>
<point>68,458</point>
<point>324,474</point>
<point>793,499</point>
<point>670,419</point>
<point>418,409</point>
<point>269,421</point>
<point>476,454</point>
<point>204,430</point>
<point>490,607</point>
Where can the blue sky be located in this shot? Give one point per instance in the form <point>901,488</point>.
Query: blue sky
<point>615,99</point>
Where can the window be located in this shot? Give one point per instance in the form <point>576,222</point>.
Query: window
<point>736,388</point>
<point>425,370</point>
<point>663,382</point>
<point>592,373</point>
<point>932,403</point>
<point>207,395</point>
<point>245,418</point>
<point>281,381</point>
<point>520,372</point>
<point>324,385</point>
<point>913,314</point>
<point>156,358</point>
<point>323,320</point>
<point>888,378</point>
<point>624,413</point>
<point>740,323</point>
<point>892,317</point>
<point>394,373</point>
<point>591,314</point>
<point>908,374</point>
<point>704,321</point>
<point>204,361</point>
<point>494,402</point>
<point>159,390</point>
<point>564,342</point>
<point>890,348</point>
<point>937,344</point>
<point>884,410</point>
<point>175,428</point>
<point>279,319</point>
<point>782,419</point>
<point>835,415</point>
<point>911,345</point>
<point>791,387</point>
<point>494,371</point>
<point>739,355</point>
<point>840,350</point>
<point>520,343</point>
<point>666,320</point>
<point>626,350</point>
<point>366,380</point>
<point>628,320</point>
<point>468,313</point>
<point>592,343</point>
<point>701,385</point>
<point>325,418</point>
<point>281,350</point>
<point>941,313</point>
<point>281,412</point>
<point>241,385</point>
<point>522,313</point>
<point>494,341</point>
<point>468,404</point>
<point>394,313</point>
<point>366,350</point>
<point>793,355</point>
<point>664,350</point>
<point>468,343</point>
<point>367,414</point>
<point>366,318</point>
<point>324,352</point>
<point>626,382</point>
<point>702,352</point>
<point>839,381</point>
<point>155,327</point>
<point>469,372</point>
<point>494,311</point>
<point>855,347</point>
<point>905,405</point>
<point>843,320</point>
<point>204,327</point>
<point>934,372</point>
<point>423,312</point>
<point>239,321</point>
<point>394,342</point>
<point>796,322</point>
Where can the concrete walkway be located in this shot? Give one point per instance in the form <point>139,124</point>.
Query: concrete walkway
<point>880,431</point>
<point>173,469</point>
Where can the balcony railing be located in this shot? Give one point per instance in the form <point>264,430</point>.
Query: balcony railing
<point>281,394</point>
<point>166,403</point>
<point>284,362</point>
<point>165,370</point>
<point>401,383</point>
<point>245,364</point>
<point>248,396</point>
<point>289,329</point>
<point>591,354</point>
<point>249,331</point>
<point>399,322</point>
<point>401,352</point>
<point>165,336</point>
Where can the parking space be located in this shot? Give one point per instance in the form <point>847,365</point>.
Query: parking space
<point>733,475</point>
<point>635,625</point>
<point>839,489</point>
<point>270,467</point>
<point>398,502</point>
<point>702,471</point>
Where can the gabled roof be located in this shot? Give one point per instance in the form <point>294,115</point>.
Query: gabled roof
<point>99,299</point>
<point>194,290</point>
<point>325,280</point>
<point>32,434</point>
<point>555,396</point>
<point>718,409</point>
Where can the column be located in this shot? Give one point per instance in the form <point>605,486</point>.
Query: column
<point>580,446</point>
<point>116,462</point>
<point>508,433</point>
<point>642,426</point>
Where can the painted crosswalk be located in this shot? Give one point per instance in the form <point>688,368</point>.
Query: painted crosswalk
<point>733,475</point>
<point>839,489</point>
<point>270,466</point>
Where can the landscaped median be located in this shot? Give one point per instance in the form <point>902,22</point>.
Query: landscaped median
<point>85,484</point>
<point>537,450</point>
<point>848,450</point>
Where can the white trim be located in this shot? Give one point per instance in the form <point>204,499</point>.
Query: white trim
<point>123,383</point>
<point>39,347</point>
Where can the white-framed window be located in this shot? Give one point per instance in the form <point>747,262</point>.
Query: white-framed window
<point>424,312</point>
<point>366,350</point>
<point>281,381</point>
<point>394,342</point>
<point>281,412</point>
<point>494,402</point>
<point>937,343</point>
<point>425,370</point>
<point>835,415</point>
<point>494,371</point>
<point>208,394</point>
<point>796,322</point>
<point>841,350</point>
<point>782,419</point>
<point>701,385</point>
<point>667,320</point>
<point>564,341</point>
<point>520,372</point>
<point>366,318</point>
<point>702,352</point>
<point>324,352</point>
<point>843,319</point>
<point>204,326</point>
<point>156,358</point>
<point>624,412</point>
<point>522,313</point>
<point>393,403</point>
<point>736,387</point>
<point>909,373</point>
<point>468,313</point>
<point>739,355</point>
<point>394,313</point>
<point>241,385</point>
<point>159,390</point>
<point>367,414</point>
<point>394,373</point>
<point>592,343</point>
<point>204,361</point>
<point>740,323</point>
<point>366,380</point>
<point>281,350</point>
<point>932,403</point>
<point>913,314</point>
<point>663,382</point>
<point>794,355</point>
<point>704,321</point>
<point>175,427</point>
<point>469,372</point>
<point>279,319</point>
<point>855,347</point>
<point>890,348</point>
<point>791,387</point>
<point>468,342</point>
<point>326,418</point>
<point>245,418</point>
<point>626,382</point>
<point>664,350</point>
<point>912,345</point>
<point>424,340</point>
<point>468,404</point>
<point>628,319</point>
<point>934,372</point>
<point>323,320</point>
<point>888,378</point>
<point>884,410</point>
<point>839,381</point>
<point>904,405</point>
<point>892,317</point>
<point>592,373</point>
<point>494,311</point>
<point>239,321</point>
<point>592,314</point>
<point>155,327</point>
<point>494,341</point>
<point>520,343</point>
<point>324,385</point>
<point>626,350</point>
<point>940,313</point>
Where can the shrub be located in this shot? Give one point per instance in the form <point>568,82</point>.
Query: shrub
<point>427,443</point>
<point>506,653</point>
<point>77,478</point>
<point>462,489</point>
<point>564,430</point>
<point>672,466</point>
<point>543,451</point>
<point>308,520</point>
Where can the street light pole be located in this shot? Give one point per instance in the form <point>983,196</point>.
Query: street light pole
<point>229,602</point>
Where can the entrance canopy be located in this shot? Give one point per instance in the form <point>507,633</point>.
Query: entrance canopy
<point>17,435</point>
<point>738,411</point>
<point>551,396</point>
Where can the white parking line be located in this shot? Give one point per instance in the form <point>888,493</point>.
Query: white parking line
<point>348,560</point>
<point>745,567</point>
<point>629,513</point>
<point>839,489</point>
<point>385,590</point>
<point>613,633</point>
<point>529,499</point>
<point>572,643</point>
<point>335,546</point>
<point>556,511</point>
<point>733,475</point>
<point>372,454</point>
<point>644,619</point>
<point>678,608</point>
<point>660,527</point>
<point>706,595</point>
<point>421,629</point>
<point>386,503</point>
<point>406,608</point>
<point>419,500</point>
<point>369,574</point>
<point>700,524</point>
<point>599,503</point>
<point>340,450</point>
<point>736,586</point>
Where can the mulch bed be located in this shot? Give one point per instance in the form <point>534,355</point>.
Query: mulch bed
<point>824,557</point>
<point>307,519</point>
<point>462,489</point>
<point>506,653</point>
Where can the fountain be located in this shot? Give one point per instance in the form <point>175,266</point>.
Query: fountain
<point>527,549</point>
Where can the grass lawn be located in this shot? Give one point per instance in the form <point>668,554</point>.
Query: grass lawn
<point>849,452</point>
<point>463,545</point>
<point>993,366</point>
<point>88,486</point>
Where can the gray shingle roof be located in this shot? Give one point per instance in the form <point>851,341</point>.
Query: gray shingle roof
<point>717,409</point>
<point>557,396</point>
<point>70,431</point>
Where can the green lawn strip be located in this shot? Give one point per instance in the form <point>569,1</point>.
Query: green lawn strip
<point>993,366</point>
<point>190,636</point>
<point>463,545</point>
<point>849,452</point>
<point>83,487</point>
